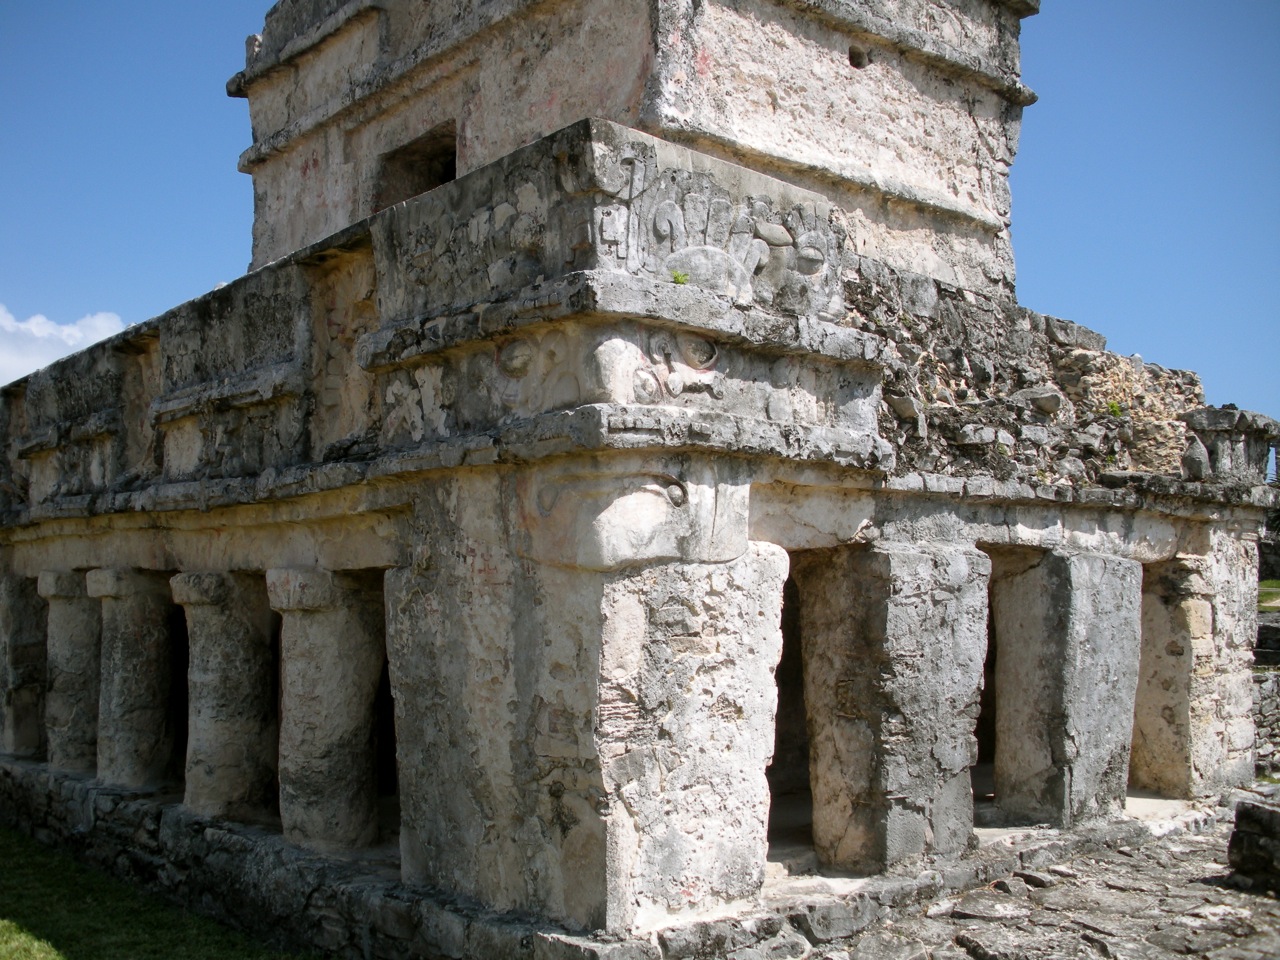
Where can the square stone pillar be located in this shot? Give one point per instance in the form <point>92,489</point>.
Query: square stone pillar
<point>585,692</point>
<point>135,732</point>
<point>1193,725</point>
<point>231,684</point>
<point>73,646</point>
<point>23,667</point>
<point>331,656</point>
<point>893,638</point>
<point>1068,636</point>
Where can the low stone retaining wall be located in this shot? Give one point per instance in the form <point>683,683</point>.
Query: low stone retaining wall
<point>1255,842</point>
<point>286,896</point>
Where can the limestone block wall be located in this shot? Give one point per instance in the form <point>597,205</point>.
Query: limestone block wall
<point>859,102</point>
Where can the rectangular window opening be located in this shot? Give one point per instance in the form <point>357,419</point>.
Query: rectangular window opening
<point>420,165</point>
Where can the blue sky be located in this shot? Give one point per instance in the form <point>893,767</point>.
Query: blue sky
<point>1146,192</point>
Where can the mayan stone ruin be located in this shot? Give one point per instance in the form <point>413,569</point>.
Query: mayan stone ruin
<point>624,512</point>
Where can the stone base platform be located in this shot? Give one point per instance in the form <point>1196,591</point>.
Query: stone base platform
<point>250,877</point>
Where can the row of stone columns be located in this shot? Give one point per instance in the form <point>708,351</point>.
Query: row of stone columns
<point>894,639</point>
<point>88,660</point>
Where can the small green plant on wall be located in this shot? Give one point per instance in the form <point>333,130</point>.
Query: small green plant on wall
<point>678,277</point>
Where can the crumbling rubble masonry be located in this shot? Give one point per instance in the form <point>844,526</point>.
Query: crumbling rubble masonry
<point>469,538</point>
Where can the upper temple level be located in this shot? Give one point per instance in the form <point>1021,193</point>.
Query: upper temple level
<point>906,113</point>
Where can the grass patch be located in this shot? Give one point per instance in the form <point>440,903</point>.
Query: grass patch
<point>53,908</point>
<point>1268,592</point>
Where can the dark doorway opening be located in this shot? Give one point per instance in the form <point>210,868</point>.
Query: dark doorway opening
<point>176,712</point>
<point>384,748</point>
<point>790,794</point>
<point>983,773</point>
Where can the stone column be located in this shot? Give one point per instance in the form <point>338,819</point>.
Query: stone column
<point>1067,632</point>
<point>583,672</point>
<point>23,667</point>
<point>332,650</point>
<point>232,716</point>
<point>135,737</point>
<point>74,671</point>
<point>1193,727</point>
<point>893,637</point>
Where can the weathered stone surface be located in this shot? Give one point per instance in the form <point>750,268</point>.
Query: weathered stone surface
<point>542,442</point>
<point>626,815</point>
<point>331,653</point>
<point>1067,631</point>
<point>23,667</point>
<point>136,729</point>
<point>781,96</point>
<point>233,724</point>
<point>71,703</point>
<point>891,685</point>
<point>1255,842</point>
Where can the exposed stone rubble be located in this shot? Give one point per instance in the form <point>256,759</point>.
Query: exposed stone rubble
<point>1167,899</point>
<point>601,552</point>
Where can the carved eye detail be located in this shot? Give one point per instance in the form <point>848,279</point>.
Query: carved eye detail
<point>697,352</point>
<point>646,387</point>
<point>515,359</point>
<point>677,494</point>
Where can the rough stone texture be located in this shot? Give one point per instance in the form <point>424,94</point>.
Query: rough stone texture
<point>74,672</point>
<point>543,438</point>
<point>482,79</point>
<point>136,734</point>
<point>292,897</point>
<point>891,686</point>
<point>1255,842</point>
<point>1067,632</point>
<point>1266,719</point>
<point>23,667</point>
<point>1269,547</point>
<point>331,654</point>
<point>647,688</point>
<point>233,728</point>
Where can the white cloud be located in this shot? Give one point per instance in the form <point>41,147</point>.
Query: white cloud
<point>27,345</point>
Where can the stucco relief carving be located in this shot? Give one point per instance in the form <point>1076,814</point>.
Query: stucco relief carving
<point>686,227</point>
<point>606,514</point>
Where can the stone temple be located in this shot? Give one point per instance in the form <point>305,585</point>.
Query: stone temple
<point>624,504</point>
